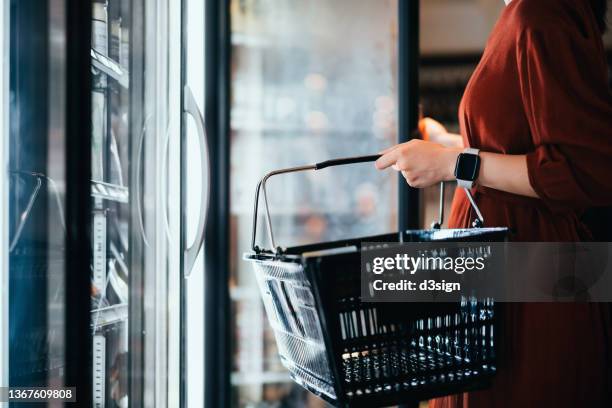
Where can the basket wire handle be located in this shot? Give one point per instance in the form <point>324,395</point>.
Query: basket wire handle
<point>478,222</point>
<point>438,224</point>
<point>262,186</point>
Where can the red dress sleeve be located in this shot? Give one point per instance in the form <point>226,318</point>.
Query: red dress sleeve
<point>563,81</point>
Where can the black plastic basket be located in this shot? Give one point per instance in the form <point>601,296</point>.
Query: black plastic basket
<point>355,354</point>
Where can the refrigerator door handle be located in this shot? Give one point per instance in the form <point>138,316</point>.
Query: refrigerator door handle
<point>190,107</point>
<point>139,186</point>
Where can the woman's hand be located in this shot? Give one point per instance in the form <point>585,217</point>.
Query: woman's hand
<point>422,163</point>
<point>428,161</point>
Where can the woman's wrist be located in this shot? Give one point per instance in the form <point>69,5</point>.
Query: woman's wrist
<point>450,161</point>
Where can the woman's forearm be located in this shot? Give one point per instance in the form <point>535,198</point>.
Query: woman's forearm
<point>423,164</point>
<point>506,173</point>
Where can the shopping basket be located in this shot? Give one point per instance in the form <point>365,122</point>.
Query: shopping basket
<point>355,354</point>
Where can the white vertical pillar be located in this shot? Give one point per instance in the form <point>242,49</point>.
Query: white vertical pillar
<point>194,284</point>
<point>4,245</point>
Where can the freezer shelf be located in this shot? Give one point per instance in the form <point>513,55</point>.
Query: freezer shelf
<point>109,315</point>
<point>110,68</point>
<point>108,191</point>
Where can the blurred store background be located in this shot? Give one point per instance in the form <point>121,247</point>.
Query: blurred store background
<point>310,81</point>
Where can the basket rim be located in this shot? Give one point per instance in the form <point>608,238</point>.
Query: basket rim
<point>297,253</point>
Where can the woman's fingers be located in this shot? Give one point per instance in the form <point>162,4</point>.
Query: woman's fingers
<point>422,163</point>
<point>388,159</point>
<point>410,179</point>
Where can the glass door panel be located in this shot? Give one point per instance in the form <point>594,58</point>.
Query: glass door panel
<point>33,162</point>
<point>135,223</point>
<point>112,192</point>
<point>303,92</point>
<point>156,229</point>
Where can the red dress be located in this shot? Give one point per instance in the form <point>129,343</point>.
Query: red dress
<point>541,90</point>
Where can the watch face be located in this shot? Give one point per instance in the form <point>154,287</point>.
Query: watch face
<point>467,167</point>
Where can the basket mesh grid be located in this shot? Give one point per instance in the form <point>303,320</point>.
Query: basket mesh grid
<point>289,305</point>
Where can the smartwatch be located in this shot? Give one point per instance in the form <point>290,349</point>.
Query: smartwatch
<point>467,168</point>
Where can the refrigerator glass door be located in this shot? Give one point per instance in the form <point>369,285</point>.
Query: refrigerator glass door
<point>135,218</point>
<point>130,297</point>
<point>310,81</point>
<point>33,159</point>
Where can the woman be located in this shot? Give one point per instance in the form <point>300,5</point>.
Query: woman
<point>539,109</point>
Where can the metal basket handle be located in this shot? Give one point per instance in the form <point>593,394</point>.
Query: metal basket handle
<point>478,222</point>
<point>330,163</point>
